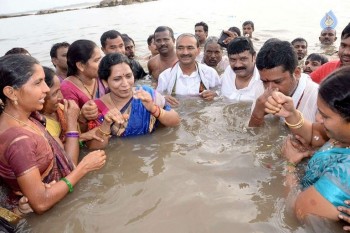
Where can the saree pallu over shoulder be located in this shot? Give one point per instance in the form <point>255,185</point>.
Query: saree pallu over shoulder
<point>140,119</point>
<point>329,171</point>
<point>22,150</point>
<point>63,164</point>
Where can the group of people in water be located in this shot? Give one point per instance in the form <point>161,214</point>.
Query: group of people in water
<point>46,116</point>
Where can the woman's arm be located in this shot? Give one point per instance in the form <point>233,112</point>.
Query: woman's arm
<point>167,118</point>
<point>281,105</point>
<point>104,130</point>
<point>312,202</point>
<point>41,198</point>
<point>71,146</point>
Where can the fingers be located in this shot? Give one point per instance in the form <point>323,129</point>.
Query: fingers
<point>97,138</point>
<point>23,200</point>
<point>171,100</point>
<point>65,103</point>
<point>207,95</point>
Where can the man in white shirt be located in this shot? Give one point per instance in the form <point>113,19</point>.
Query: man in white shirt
<point>277,63</point>
<point>187,77</point>
<point>241,78</point>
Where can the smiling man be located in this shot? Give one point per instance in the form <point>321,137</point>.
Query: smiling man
<point>278,68</point>
<point>241,78</point>
<point>343,54</point>
<point>188,77</point>
<point>165,42</point>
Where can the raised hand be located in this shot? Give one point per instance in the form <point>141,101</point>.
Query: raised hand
<point>89,110</point>
<point>93,161</point>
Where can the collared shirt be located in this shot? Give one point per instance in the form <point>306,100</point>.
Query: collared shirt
<point>230,91</point>
<point>304,97</point>
<point>173,79</point>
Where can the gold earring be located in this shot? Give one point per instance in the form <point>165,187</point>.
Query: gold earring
<point>15,102</point>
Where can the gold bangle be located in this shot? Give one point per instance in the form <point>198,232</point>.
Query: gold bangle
<point>299,124</point>
<point>103,132</point>
<point>161,113</point>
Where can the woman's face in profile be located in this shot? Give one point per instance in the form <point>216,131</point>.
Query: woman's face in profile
<point>31,96</point>
<point>335,125</point>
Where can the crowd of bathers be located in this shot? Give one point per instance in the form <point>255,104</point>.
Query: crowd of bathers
<point>47,115</point>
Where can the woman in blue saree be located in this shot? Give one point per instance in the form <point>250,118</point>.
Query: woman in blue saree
<point>126,110</point>
<point>326,183</point>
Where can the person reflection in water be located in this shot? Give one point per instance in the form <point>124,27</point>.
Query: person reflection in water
<point>126,110</point>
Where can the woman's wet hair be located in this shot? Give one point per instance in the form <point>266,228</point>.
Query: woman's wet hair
<point>79,51</point>
<point>15,71</point>
<point>49,75</point>
<point>104,69</point>
<point>335,92</point>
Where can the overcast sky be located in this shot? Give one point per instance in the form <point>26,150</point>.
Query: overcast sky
<point>19,6</point>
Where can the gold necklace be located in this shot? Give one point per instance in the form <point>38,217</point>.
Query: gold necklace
<point>114,103</point>
<point>88,91</point>
<point>22,123</point>
<point>335,142</point>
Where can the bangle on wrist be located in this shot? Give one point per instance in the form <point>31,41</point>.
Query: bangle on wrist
<point>161,113</point>
<point>69,184</point>
<point>299,124</point>
<point>103,132</point>
<point>72,134</point>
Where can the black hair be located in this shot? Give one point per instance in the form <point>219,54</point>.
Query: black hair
<point>335,92</point>
<point>17,50</point>
<point>149,39</point>
<point>104,68</point>
<point>248,22</point>
<point>236,30</point>
<point>346,32</point>
<point>239,45</point>
<point>126,38</point>
<point>15,71</point>
<point>55,47</point>
<point>299,39</point>
<point>277,53</point>
<point>49,75</point>
<point>163,29</point>
<point>187,35</point>
<point>79,51</point>
<point>317,57</point>
<point>111,34</point>
<point>204,25</point>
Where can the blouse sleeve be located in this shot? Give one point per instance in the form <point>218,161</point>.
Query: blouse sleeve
<point>333,184</point>
<point>21,155</point>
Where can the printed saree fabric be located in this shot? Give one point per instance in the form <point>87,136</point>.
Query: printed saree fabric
<point>140,119</point>
<point>329,171</point>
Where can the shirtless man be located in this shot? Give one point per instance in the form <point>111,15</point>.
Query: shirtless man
<point>165,43</point>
